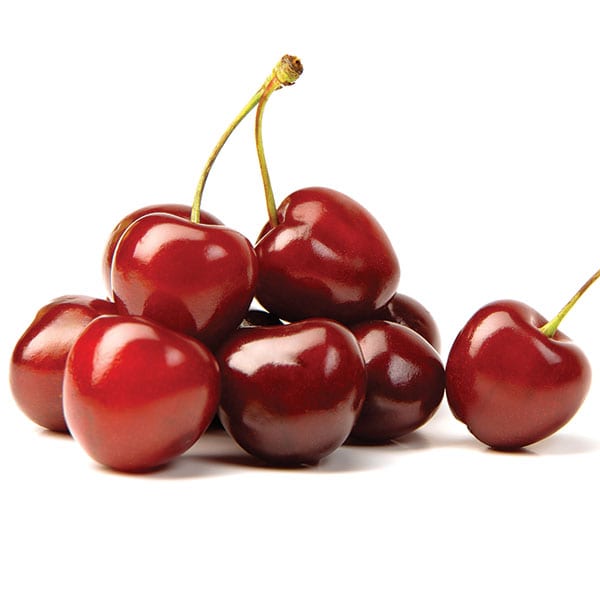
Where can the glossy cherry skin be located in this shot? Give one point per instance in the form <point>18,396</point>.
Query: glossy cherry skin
<point>508,382</point>
<point>407,311</point>
<point>291,393</point>
<point>254,318</point>
<point>405,381</point>
<point>38,360</point>
<point>327,257</point>
<point>137,395</point>
<point>195,279</point>
<point>179,210</point>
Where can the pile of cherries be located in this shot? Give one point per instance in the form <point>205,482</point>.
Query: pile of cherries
<point>295,345</point>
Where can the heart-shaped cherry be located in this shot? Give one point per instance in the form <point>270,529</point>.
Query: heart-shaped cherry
<point>38,360</point>
<point>407,311</point>
<point>322,254</point>
<point>512,377</point>
<point>327,256</point>
<point>291,393</point>
<point>193,278</point>
<point>137,395</point>
<point>179,210</point>
<point>405,381</point>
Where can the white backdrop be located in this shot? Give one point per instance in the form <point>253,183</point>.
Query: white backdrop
<point>469,129</point>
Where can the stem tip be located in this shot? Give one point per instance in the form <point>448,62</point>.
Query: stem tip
<point>288,69</point>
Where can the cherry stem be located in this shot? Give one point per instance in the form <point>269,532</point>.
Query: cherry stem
<point>285,72</point>
<point>292,72</point>
<point>551,326</point>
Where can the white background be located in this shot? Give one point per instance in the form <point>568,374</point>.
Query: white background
<point>470,129</point>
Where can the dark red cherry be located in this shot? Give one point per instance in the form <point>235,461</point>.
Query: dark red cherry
<point>291,393</point>
<point>405,378</point>
<point>509,382</point>
<point>179,210</point>
<point>326,257</point>
<point>137,395</point>
<point>38,360</point>
<point>193,278</point>
<point>407,311</point>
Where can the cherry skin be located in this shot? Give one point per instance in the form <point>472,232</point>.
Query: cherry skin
<point>405,381</point>
<point>254,318</point>
<point>291,393</point>
<point>137,395</point>
<point>179,210</point>
<point>407,311</point>
<point>327,257</point>
<point>193,278</point>
<point>38,360</point>
<point>510,383</point>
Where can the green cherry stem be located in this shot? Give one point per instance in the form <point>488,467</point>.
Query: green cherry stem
<point>549,329</point>
<point>285,72</point>
<point>292,70</point>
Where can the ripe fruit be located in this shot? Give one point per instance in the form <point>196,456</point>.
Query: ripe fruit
<point>322,254</point>
<point>512,377</point>
<point>405,381</point>
<point>291,393</point>
<point>179,210</point>
<point>38,360</point>
<point>136,394</point>
<point>326,257</point>
<point>193,278</point>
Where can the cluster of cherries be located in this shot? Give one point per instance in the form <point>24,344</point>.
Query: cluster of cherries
<point>334,353</point>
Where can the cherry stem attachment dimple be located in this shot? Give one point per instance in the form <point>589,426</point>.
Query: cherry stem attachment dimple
<point>285,72</point>
<point>550,328</point>
<point>291,71</point>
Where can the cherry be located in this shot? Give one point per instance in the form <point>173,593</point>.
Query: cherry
<point>512,377</point>
<point>405,381</point>
<point>291,393</point>
<point>38,360</point>
<point>326,257</point>
<point>179,210</point>
<point>137,395</point>
<point>322,254</point>
<point>195,278</point>
<point>407,311</point>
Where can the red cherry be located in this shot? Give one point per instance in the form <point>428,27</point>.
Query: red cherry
<point>38,360</point>
<point>407,311</point>
<point>322,254</point>
<point>291,393</point>
<point>326,257</point>
<point>137,395</point>
<point>179,210</point>
<point>196,279</point>
<point>405,378</point>
<point>509,382</point>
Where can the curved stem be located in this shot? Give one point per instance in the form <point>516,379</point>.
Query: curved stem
<point>264,171</point>
<point>292,68</point>
<point>285,72</point>
<point>551,326</point>
<point>195,216</point>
